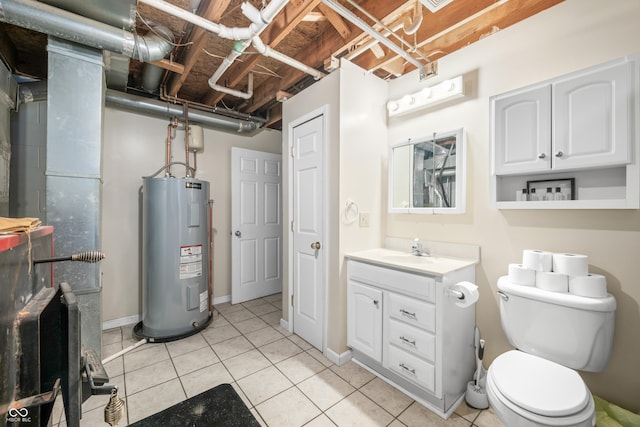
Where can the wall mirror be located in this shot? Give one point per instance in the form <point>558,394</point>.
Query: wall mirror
<point>427,175</point>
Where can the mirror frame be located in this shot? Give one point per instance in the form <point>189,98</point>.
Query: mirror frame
<point>461,174</point>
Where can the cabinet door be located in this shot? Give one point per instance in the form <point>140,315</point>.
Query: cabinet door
<point>592,117</point>
<point>364,319</point>
<point>522,131</point>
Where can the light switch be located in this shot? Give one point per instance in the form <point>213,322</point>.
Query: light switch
<point>364,219</point>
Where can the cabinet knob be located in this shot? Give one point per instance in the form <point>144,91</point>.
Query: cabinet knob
<point>542,156</point>
<point>315,245</point>
<point>375,302</point>
<point>559,154</point>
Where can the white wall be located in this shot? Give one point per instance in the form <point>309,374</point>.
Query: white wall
<point>574,34</point>
<point>356,139</point>
<point>134,146</point>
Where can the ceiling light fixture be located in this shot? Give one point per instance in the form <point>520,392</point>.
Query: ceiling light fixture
<point>427,97</point>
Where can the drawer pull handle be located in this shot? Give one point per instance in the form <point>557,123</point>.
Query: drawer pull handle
<point>408,369</point>
<point>407,313</point>
<point>407,341</point>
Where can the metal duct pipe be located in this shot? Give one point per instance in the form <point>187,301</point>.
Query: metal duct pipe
<point>152,74</point>
<point>75,28</point>
<point>164,110</point>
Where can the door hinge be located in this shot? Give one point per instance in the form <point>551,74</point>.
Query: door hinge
<point>292,151</point>
<point>292,226</point>
<point>291,300</point>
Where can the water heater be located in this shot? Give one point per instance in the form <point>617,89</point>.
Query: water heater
<point>175,258</point>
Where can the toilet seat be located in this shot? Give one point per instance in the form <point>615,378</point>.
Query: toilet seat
<point>539,390</point>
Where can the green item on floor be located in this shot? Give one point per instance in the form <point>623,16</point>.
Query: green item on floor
<point>610,415</point>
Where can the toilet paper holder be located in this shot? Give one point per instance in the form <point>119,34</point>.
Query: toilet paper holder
<point>456,293</point>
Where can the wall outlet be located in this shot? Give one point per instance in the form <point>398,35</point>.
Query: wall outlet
<point>364,219</point>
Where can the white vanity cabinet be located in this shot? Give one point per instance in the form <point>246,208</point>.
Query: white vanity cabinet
<point>402,327</point>
<point>577,126</point>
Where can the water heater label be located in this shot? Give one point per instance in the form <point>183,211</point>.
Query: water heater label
<point>190,261</point>
<point>204,301</point>
<point>194,185</point>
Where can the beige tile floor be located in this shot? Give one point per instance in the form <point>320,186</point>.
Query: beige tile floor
<point>281,378</point>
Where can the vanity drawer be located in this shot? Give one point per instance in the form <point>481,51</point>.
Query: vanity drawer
<point>413,340</point>
<point>394,280</point>
<point>412,368</point>
<point>413,312</point>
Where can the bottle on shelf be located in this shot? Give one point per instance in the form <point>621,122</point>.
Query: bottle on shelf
<point>524,196</point>
<point>532,195</point>
<point>558,195</point>
<point>549,194</point>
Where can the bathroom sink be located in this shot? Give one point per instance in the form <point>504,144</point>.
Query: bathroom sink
<point>411,259</point>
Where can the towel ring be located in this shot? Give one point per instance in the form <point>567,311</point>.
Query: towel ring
<point>351,212</point>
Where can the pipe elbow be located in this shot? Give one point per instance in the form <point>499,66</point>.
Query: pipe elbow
<point>155,45</point>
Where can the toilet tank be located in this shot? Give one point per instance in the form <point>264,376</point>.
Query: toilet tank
<point>571,330</point>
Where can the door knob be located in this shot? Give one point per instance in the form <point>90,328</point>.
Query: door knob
<point>542,155</point>
<point>559,154</point>
<point>238,233</point>
<point>315,245</point>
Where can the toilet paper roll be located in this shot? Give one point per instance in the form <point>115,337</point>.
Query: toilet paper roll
<point>552,281</point>
<point>467,290</point>
<point>521,276</point>
<point>591,285</point>
<point>537,260</point>
<point>571,264</point>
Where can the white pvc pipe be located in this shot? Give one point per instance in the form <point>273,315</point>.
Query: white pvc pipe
<point>270,53</point>
<point>259,21</point>
<point>121,352</point>
<point>346,13</point>
<point>239,94</point>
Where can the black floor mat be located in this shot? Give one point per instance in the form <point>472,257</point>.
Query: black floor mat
<point>219,406</point>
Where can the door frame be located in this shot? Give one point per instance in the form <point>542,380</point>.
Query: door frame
<point>323,112</point>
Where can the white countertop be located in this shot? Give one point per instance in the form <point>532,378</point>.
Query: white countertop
<point>434,265</point>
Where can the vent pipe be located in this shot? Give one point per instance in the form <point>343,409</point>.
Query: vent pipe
<point>59,23</point>
<point>165,110</point>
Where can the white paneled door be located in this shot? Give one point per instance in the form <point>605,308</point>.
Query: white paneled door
<point>256,224</point>
<point>308,231</point>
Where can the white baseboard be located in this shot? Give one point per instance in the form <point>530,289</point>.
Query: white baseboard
<point>285,325</point>
<point>129,320</point>
<point>123,321</point>
<point>222,299</point>
<point>338,359</point>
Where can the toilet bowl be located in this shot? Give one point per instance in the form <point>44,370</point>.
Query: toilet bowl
<point>526,390</point>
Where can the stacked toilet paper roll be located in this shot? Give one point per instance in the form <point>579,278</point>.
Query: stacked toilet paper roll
<point>558,272</point>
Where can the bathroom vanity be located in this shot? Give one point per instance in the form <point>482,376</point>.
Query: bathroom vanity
<point>406,326</point>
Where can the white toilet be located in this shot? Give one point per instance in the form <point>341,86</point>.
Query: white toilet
<point>554,333</point>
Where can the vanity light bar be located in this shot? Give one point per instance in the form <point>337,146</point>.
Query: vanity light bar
<point>427,97</point>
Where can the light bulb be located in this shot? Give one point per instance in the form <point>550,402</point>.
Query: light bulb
<point>426,92</point>
<point>408,99</point>
<point>392,106</point>
<point>447,85</point>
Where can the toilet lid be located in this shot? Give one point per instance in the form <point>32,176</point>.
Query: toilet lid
<point>539,385</point>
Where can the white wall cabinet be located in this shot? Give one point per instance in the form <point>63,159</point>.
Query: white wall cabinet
<point>396,326</point>
<point>579,126</point>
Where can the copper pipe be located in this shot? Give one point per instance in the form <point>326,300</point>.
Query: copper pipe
<point>211,257</point>
<point>173,123</point>
<point>186,136</point>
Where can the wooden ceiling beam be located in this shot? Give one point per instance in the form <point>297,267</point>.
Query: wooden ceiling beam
<point>314,54</point>
<point>213,12</point>
<point>276,32</point>
<point>336,21</point>
<point>454,31</point>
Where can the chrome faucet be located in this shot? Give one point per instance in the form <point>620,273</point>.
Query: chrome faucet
<point>416,248</point>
